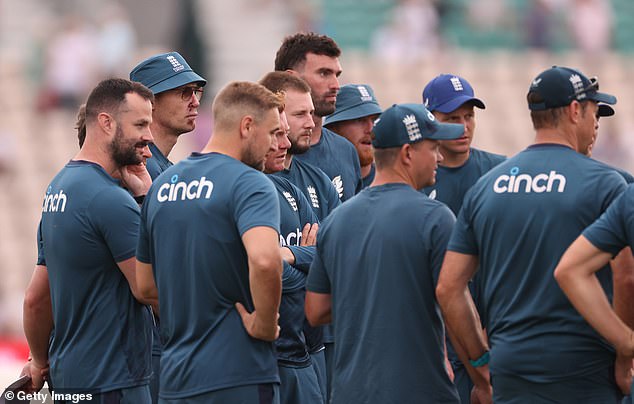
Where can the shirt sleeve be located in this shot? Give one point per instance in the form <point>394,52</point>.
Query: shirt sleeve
<point>318,280</point>
<point>41,260</point>
<point>303,256</point>
<point>462,238</point>
<point>143,250</point>
<point>292,278</point>
<point>440,232</point>
<point>614,230</point>
<point>115,215</point>
<point>255,202</point>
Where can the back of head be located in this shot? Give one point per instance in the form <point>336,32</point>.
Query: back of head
<point>294,48</point>
<point>282,82</point>
<point>407,124</point>
<point>110,94</point>
<point>240,98</point>
<point>164,72</point>
<point>556,88</point>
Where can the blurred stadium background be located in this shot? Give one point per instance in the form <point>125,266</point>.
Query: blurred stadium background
<point>53,52</point>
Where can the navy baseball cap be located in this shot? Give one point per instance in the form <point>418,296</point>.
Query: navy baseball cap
<point>559,86</point>
<point>411,123</point>
<point>448,92</point>
<point>354,101</point>
<point>165,72</point>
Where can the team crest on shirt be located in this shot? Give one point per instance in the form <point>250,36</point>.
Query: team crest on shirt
<point>338,183</point>
<point>411,125</point>
<point>432,194</point>
<point>291,201</point>
<point>312,192</point>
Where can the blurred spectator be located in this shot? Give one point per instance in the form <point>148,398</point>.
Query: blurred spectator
<point>488,15</point>
<point>7,151</point>
<point>411,34</point>
<point>117,42</point>
<point>590,23</point>
<point>71,62</point>
<point>537,23</point>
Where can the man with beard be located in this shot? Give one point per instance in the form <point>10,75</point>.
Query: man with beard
<point>314,183</point>
<point>354,117</point>
<point>85,280</point>
<point>315,58</point>
<point>299,382</point>
<point>219,282</point>
<point>177,93</point>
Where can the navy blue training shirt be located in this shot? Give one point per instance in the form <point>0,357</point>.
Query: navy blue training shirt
<point>452,183</point>
<point>192,222</point>
<point>102,336</point>
<point>379,256</point>
<point>519,218</point>
<point>338,158</point>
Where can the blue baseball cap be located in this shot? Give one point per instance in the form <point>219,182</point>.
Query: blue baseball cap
<point>559,86</point>
<point>165,72</point>
<point>354,101</point>
<point>411,123</point>
<point>448,92</point>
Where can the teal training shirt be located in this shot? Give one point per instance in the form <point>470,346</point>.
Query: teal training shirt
<point>452,183</point>
<point>338,158</point>
<point>519,219</point>
<point>379,256</point>
<point>192,222</point>
<point>102,336</point>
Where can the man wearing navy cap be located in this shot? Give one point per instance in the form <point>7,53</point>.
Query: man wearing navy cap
<point>514,226</point>
<point>378,257</point>
<point>355,112</point>
<point>177,90</point>
<point>451,99</point>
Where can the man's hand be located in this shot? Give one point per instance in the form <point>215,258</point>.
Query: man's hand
<point>136,179</point>
<point>38,374</point>
<point>309,234</point>
<point>265,332</point>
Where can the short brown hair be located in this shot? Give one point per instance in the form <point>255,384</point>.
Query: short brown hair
<point>281,82</point>
<point>548,118</point>
<point>240,98</point>
<point>109,95</point>
<point>292,52</point>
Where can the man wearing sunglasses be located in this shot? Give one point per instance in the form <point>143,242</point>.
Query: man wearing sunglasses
<point>514,225</point>
<point>177,90</point>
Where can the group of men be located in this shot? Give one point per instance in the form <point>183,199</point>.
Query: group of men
<point>310,253</point>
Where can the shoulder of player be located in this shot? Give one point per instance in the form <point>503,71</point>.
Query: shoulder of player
<point>492,159</point>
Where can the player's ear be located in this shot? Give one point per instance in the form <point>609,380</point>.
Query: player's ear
<point>106,122</point>
<point>246,126</point>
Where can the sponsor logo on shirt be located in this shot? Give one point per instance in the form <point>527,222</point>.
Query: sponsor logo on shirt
<point>524,183</point>
<point>54,202</point>
<point>291,201</point>
<point>181,190</point>
<point>314,200</point>
<point>292,238</point>
<point>338,183</point>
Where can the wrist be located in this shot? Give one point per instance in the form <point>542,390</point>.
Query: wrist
<point>481,361</point>
<point>139,199</point>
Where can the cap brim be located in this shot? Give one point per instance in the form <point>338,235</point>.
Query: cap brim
<point>356,112</point>
<point>176,81</point>
<point>605,110</point>
<point>603,97</point>
<point>457,102</point>
<point>447,131</point>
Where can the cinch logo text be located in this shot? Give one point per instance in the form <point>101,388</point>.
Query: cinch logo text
<point>514,183</point>
<point>54,202</point>
<point>297,235</point>
<point>185,190</point>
